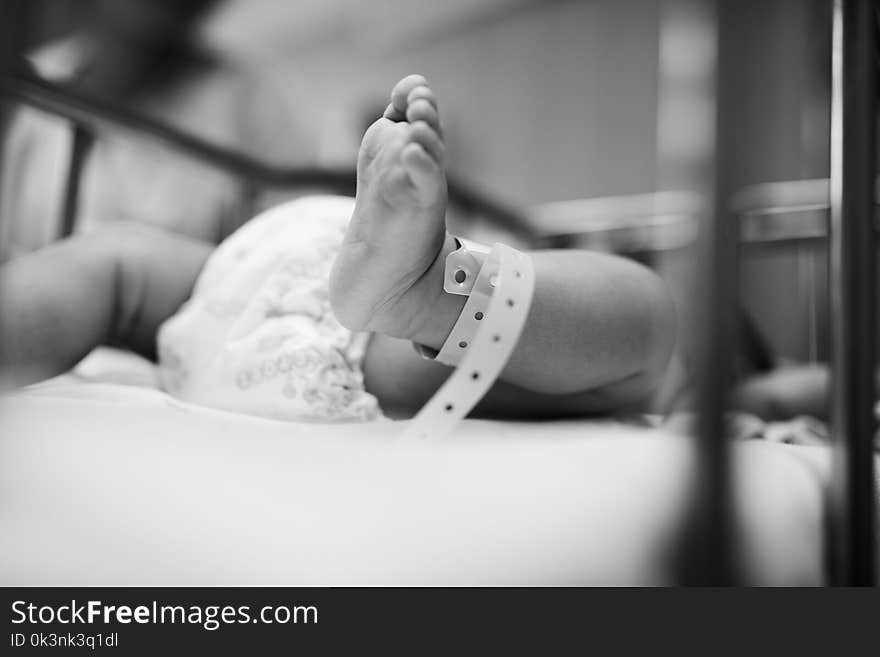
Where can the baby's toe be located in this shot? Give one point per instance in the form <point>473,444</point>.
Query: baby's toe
<point>422,110</point>
<point>400,93</point>
<point>423,134</point>
<point>422,92</point>
<point>374,139</point>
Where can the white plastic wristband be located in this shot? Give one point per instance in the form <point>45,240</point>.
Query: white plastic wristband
<point>467,274</point>
<point>509,279</point>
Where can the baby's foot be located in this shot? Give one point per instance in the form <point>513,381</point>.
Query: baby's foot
<point>398,227</point>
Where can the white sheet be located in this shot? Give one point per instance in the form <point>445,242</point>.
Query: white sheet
<point>110,484</point>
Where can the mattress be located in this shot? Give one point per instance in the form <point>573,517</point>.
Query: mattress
<point>106,480</point>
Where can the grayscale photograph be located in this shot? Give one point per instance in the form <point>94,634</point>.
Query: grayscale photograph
<point>471,294</point>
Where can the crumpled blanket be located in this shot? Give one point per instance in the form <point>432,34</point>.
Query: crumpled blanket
<point>258,335</point>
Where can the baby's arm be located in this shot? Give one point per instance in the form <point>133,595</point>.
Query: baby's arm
<point>786,392</point>
<point>598,336</point>
<point>113,286</point>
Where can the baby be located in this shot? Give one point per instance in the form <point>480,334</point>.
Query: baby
<point>597,337</point>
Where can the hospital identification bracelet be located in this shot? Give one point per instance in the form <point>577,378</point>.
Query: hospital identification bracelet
<point>500,286</point>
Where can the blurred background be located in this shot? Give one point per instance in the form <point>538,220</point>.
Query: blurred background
<point>576,114</point>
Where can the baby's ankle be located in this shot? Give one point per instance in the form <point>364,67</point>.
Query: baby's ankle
<point>432,310</point>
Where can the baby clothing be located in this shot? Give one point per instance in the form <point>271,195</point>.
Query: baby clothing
<point>258,335</point>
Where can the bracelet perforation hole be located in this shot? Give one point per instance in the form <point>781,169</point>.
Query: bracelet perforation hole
<point>496,338</point>
<point>510,303</point>
<point>460,276</point>
<point>478,316</point>
<point>462,344</point>
<point>475,376</point>
<point>448,408</point>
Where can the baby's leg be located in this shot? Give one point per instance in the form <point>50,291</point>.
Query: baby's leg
<point>115,285</point>
<point>600,328</point>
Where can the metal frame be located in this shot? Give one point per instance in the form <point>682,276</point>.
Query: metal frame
<point>711,550</point>
<point>93,116</point>
<point>852,276</point>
